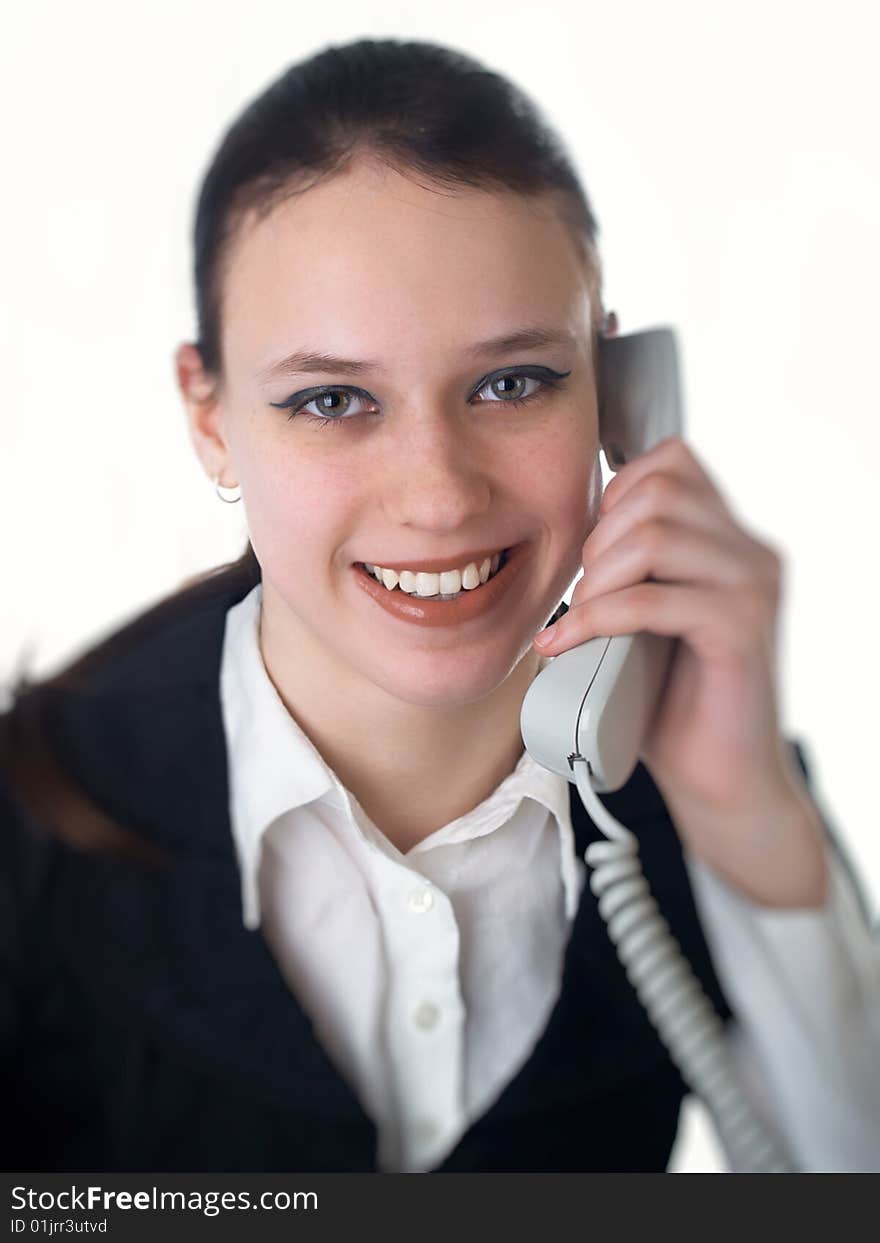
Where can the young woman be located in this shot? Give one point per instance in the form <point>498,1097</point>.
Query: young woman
<point>282,888</point>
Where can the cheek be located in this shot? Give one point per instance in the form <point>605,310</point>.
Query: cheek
<point>566,486</point>
<point>290,513</point>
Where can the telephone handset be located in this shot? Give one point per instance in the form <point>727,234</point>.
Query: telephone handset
<point>596,699</point>
<point>584,717</point>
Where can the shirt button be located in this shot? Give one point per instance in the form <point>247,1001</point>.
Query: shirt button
<point>421,900</point>
<point>426,1014</point>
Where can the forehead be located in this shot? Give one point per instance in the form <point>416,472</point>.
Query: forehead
<point>371,260</point>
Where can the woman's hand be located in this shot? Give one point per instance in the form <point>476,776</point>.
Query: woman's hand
<point>668,556</point>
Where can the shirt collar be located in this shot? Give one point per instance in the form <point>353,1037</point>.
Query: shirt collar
<point>274,767</point>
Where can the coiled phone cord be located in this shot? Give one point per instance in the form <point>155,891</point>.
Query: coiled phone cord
<point>668,988</point>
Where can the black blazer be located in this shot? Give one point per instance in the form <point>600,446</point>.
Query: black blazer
<point>142,1027</point>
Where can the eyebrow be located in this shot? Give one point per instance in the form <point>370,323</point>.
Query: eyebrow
<point>304,361</point>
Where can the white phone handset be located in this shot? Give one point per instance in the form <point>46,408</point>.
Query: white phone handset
<point>584,717</point>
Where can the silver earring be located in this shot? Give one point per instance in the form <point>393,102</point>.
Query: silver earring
<point>220,490</point>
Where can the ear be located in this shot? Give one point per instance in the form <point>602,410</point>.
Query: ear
<point>609,324</point>
<point>199,391</point>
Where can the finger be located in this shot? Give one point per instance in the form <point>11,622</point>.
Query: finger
<point>659,497</point>
<point>673,553</point>
<point>701,616</point>
<point>673,457</point>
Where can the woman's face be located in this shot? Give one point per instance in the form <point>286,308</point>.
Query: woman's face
<point>426,459</point>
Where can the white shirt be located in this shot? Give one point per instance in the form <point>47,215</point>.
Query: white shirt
<point>430,976</point>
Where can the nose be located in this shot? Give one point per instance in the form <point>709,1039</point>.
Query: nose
<point>437,473</point>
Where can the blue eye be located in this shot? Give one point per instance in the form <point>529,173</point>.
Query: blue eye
<point>545,377</point>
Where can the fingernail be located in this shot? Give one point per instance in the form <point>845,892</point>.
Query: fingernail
<point>546,635</point>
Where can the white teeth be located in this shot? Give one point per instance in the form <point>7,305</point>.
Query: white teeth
<point>449,583</point>
<point>390,578</point>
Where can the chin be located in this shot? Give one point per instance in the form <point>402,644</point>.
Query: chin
<point>452,677</point>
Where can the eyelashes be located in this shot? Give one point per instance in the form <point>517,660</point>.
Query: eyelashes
<point>546,377</point>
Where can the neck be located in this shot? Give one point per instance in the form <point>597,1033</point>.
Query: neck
<point>413,769</point>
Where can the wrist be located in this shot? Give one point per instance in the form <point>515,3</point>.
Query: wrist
<point>775,857</point>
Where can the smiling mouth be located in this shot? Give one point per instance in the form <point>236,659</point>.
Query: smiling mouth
<point>465,608</point>
<point>437,595</point>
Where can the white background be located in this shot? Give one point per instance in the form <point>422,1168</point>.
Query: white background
<point>731,156</point>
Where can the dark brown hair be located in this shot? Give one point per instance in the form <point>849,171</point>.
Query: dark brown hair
<point>419,108</point>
